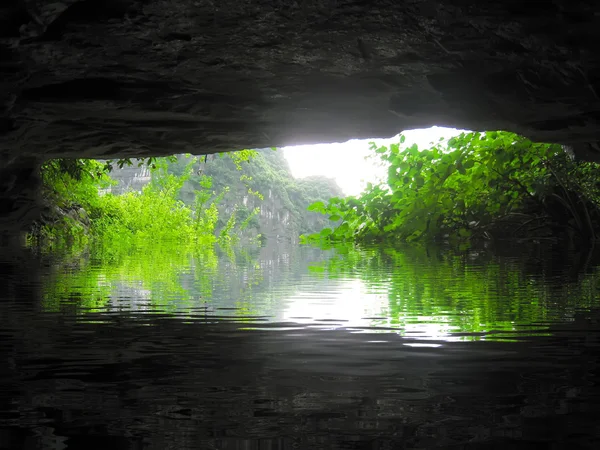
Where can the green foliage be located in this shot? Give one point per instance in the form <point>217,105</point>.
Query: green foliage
<point>155,214</point>
<point>473,185</point>
<point>241,156</point>
<point>225,235</point>
<point>70,188</point>
<point>197,199</point>
<point>266,182</point>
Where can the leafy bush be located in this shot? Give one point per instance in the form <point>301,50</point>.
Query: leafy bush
<point>493,184</point>
<point>78,210</point>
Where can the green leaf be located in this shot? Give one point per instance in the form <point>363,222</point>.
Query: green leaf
<point>343,229</point>
<point>318,206</point>
<point>334,218</point>
<point>326,232</point>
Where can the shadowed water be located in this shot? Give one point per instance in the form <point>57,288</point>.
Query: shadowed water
<point>287,347</point>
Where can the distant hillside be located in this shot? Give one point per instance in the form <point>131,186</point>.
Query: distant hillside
<point>283,215</point>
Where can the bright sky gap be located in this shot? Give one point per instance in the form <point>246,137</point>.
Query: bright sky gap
<point>345,161</point>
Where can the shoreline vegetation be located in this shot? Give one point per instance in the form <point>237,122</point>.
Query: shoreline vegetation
<point>79,211</point>
<point>470,188</point>
<point>244,197</point>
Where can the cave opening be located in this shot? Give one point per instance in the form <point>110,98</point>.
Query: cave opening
<point>248,190</point>
<point>424,184</point>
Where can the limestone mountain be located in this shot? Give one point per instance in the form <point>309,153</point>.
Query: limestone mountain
<point>282,213</point>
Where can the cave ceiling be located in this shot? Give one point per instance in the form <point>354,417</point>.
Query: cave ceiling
<point>91,78</point>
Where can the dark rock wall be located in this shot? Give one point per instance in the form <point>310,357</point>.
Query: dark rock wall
<point>19,203</point>
<point>100,78</point>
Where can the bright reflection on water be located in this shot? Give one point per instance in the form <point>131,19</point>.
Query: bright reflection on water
<point>414,292</point>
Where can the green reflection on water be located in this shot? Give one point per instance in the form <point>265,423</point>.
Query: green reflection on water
<point>426,293</point>
<point>159,278</point>
<point>436,293</point>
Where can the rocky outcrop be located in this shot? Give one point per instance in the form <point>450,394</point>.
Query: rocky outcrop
<point>101,78</point>
<point>129,178</point>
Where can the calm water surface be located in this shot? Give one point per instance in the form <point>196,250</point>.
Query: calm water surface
<point>286,347</point>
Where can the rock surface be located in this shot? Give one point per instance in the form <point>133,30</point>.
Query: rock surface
<point>101,78</point>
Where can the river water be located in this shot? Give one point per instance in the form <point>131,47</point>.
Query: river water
<point>288,347</point>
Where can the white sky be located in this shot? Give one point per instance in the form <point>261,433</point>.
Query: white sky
<point>346,161</point>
